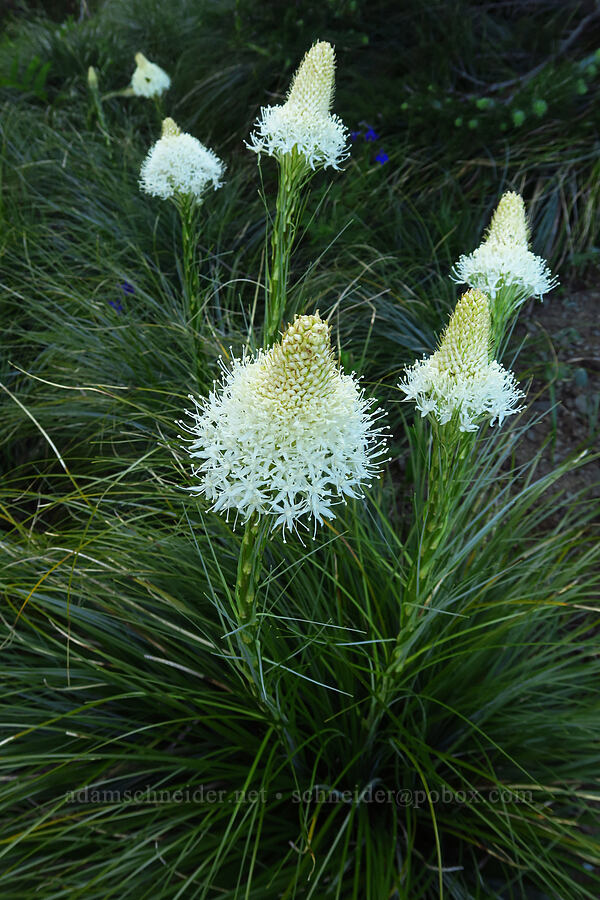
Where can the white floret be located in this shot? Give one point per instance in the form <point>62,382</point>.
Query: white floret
<point>285,434</point>
<point>494,266</point>
<point>149,80</point>
<point>180,164</point>
<point>322,139</point>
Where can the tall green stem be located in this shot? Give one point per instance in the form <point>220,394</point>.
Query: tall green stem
<point>188,209</point>
<point>293,174</point>
<point>248,575</point>
<point>504,308</point>
<point>448,451</point>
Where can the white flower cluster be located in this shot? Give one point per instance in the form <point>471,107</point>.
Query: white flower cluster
<point>304,121</point>
<point>178,164</point>
<point>148,80</point>
<point>459,380</point>
<point>286,434</point>
<point>504,260</point>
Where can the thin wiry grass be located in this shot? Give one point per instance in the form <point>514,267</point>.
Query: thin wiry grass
<point>134,621</point>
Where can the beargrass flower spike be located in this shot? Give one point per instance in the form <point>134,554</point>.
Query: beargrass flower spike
<point>148,80</point>
<point>459,383</point>
<point>286,435</point>
<point>181,169</point>
<point>458,388</point>
<point>302,135</point>
<point>304,122</point>
<point>178,164</point>
<point>282,439</point>
<point>503,266</point>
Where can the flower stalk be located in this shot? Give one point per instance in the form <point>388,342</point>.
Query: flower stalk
<point>248,577</point>
<point>447,451</point>
<point>189,209</point>
<point>458,388</point>
<point>181,169</point>
<point>303,136</point>
<point>94,89</point>
<point>293,175</point>
<point>446,458</point>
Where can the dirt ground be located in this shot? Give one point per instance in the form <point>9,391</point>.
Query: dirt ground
<point>561,352</point>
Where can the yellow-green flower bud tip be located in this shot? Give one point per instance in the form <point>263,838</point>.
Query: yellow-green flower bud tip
<point>465,345</point>
<point>170,128</point>
<point>312,88</point>
<point>509,222</point>
<point>301,367</point>
<point>92,79</point>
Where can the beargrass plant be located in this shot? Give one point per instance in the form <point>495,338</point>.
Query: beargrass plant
<point>303,136</point>
<point>428,655</point>
<point>179,168</point>
<point>504,267</point>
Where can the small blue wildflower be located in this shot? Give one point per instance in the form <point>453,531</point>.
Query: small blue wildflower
<point>371,135</point>
<point>116,305</point>
<point>382,157</point>
<point>354,135</point>
<point>127,288</point>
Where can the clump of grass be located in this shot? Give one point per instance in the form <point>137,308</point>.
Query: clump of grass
<point>119,654</point>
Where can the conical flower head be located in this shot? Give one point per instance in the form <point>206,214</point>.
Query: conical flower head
<point>148,80</point>
<point>179,165</point>
<point>169,128</point>
<point>503,260</point>
<point>304,122</point>
<point>301,369</point>
<point>465,345</point>
<point>286,434</point>
<point>311,91</point>
<point>458,382</point>
<point>92,79</point>
<point>509,222</point>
